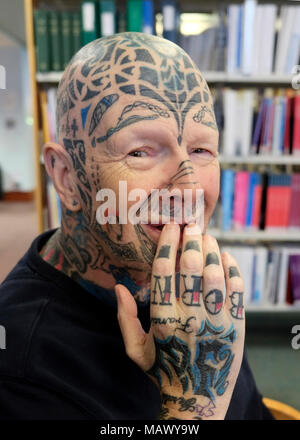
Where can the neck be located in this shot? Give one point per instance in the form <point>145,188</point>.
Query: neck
<point>74,250</point>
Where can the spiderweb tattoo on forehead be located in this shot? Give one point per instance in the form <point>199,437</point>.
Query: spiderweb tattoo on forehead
<point>135,64</point>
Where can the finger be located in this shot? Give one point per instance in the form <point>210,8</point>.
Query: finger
<point>234,302</point>
<point>163,296</point>
<point>213,278</point>
<point>191,268</point>
<point>134,336</point>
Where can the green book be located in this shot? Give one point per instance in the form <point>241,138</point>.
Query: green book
<point>107,17</point>
<point>55,41</point>
<point>121,21</point>
<point>67,40</point>
<point>89,21</point>
<point>42,40</point>
<point>134,15</point>
<point>76,32</point>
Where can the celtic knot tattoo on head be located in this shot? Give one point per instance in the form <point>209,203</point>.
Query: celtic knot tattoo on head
<point>137,65</point>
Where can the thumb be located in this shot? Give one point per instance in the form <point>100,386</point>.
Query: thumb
<point>134,336</point>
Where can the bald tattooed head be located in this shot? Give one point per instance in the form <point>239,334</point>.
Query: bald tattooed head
<point>144,67</point>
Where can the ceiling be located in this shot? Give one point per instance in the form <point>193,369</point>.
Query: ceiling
<point>12,22</point>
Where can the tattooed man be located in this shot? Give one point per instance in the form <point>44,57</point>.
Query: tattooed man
<point>128,321</point>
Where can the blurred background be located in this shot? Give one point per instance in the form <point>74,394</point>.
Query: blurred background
<point>248,51</point>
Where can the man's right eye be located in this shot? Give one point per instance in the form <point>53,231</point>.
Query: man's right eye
<point>138,153</point>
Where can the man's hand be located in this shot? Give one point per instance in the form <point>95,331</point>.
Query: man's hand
<point>194,348</point>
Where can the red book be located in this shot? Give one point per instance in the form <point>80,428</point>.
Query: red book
<point>296,133</point>
<point>278,201</point>
<point>287,123</point>
<point>240,199</point>
<point>294,220</point>
<point>257,202</point>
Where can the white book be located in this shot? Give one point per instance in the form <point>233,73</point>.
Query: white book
<point>272,275</point>
<point>294,43</point>
<point>233,16</point>
<point>107,21</point>
<point>230,124</point>
<point>261,260</point>
<point>267,39</point>
<point>246,115</point>
<point>257,39</point>
<point>287,21</point>
<point>249,18</point>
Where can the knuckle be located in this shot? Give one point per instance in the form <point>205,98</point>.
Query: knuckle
<point>213,278</point>
<point>161,267</point>
<point>191,262</point>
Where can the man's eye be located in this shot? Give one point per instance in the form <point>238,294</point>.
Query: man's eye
<point>201,151</point>
<point>138,153</point>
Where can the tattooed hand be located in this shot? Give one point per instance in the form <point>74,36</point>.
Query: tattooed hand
<point>194,348</point>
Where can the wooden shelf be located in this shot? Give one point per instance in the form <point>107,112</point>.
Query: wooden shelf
<point>286,308</point>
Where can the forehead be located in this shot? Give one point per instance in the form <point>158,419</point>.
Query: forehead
<point>142,67</point>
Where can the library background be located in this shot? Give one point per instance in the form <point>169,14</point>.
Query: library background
<point>249,54</point>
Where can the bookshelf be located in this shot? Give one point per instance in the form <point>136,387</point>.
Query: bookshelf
<point>216,79</point>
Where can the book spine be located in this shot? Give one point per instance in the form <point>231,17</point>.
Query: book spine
<point>67,46</point>
<point>42,38</point>
<point>148,17</point>
<point>227,189</point>
<point>89,21</point>
<point>295,276</point>
<point>257,202</point>
<point>250,204</point>
<point>247,36</point>
<point>107,17</point>
<point>76,32</point>
<point>294,220</point>
<point>55,41</point>
<point>287,126</point>
<point>169,20</point>
<point>134,15</point>
<point>240,199</point>
<point>296,134</point>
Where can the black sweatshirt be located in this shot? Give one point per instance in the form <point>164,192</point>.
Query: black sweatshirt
<point>65,358</point>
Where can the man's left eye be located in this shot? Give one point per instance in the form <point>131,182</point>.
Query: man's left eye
<point>138,153</point>
<point>201,151</point>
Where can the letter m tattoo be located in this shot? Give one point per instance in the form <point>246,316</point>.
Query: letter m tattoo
<point>165,294</point>
<point>191,297</point>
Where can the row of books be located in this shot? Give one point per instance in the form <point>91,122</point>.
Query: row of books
<point>260,122</point>
<point>253,201</point>
<point>252,34</point>
<point>271,275</point>
<point>60,34</point>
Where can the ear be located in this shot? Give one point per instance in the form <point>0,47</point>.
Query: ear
<point>60,169</point>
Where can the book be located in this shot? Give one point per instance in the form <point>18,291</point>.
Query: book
<point>134,15</point>
<point>232,38</point>
<point>169,20</point>
<point>107,10</point>
<point>292,56</point>
<point>287,146</point>
<point>286,252</point>
<point>259,282</point>
<point>148,17</point>
<point>295,277</point>
<point>67,37</point>
<point>89,21</point>
<point>55,29</point>
<point>240,199</point>
<point>287,14</point>
<point>278,201</point>
<point>227,191</point>
<point>257,202</point>
<point>294,219</point>
<point>253,177</point>
<point>296,132</point>
<point>42,39</point>
<point>248,30</point>
<point>76,32</point>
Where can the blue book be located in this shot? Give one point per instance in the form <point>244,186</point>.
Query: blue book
<point>282,123</point>
<point>227,192</point>
<point>169,20</point>
<point>250,207</point>
<point>148,17</point>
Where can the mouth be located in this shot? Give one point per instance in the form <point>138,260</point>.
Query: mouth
<point>156,229</point>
